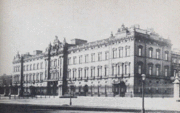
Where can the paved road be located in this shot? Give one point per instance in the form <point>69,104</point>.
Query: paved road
<point>104,102</point>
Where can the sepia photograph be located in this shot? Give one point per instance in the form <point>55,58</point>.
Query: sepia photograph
<point>89,56</point>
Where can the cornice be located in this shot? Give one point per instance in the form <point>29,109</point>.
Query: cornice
<point>100,43</point>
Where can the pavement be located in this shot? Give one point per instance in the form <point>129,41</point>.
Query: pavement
<point>98,103</point>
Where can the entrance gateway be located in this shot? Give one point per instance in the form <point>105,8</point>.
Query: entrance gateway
<point>119,89</point>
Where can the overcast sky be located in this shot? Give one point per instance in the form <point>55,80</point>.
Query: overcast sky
<point>27,25</point>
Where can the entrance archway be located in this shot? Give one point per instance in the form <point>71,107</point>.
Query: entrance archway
<point>119,89</point>
<point>85,89</point>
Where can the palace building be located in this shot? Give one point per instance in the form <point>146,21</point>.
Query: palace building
<point>108,67</point>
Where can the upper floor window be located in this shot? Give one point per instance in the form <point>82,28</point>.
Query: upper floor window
<point>80,73</point>
<point>27,67</point>
<point>86,58</point>
<point>24,68</point>
<point>80,59</point>
<point>157,70</point>
<point>55,62</point>
<point>150,52</point>
<point>127,51</point>
<point>139,50</point>
<point>106,55</point>
<point>99,69</point>
<point>174,60</point>
<point>41,65</point>
<point>41,76</point>
<point>120,51</point>
<point>69,60</point>
<point>166,68</point>
<point>74,73</point>
<point>140,64</point>
<point>114,53</point>
<point>92,71</point>
<point>33,66</point>
<point>74,60</point>
<point>99,56</point>
<point>37,65</point>
<point>69,74</point>
<point>150,66</point>
<point>92,57</point>
<point>166,55</point>
<point>105,71</point>
<point>85,72</point>
<point>158,53</point>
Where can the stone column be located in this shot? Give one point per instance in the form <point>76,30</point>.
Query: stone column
<point>176,88</point>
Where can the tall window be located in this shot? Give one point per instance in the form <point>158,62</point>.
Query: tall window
<point>41,76</point>
<point>150,69</point>
<point>26,77</point>
<point>55,62</point>
<point>74,73</point>
<point>126,69</point>
<point>120,52</point>
<point>150,52</point>
<point>27,67</point>
<point>85,72</point>
<point>74,60</point>
<point>92,71</point>
<point>99,56</point>
<point>140,51</point>
<point>86,58</point>
<point>33,66</point>
<point>166,71</point>
<point>80,59</point>
<point>127,50</point>
<point>158,54</point>
<point>23,68</point>
<point>69,60</point>
<point>166,55</point>
<point>157,70</point>
<point>37,76</point>
<point>41,65</point>
<point>140,67</point>
<point>92,57</point>
<point>99,69</point>
<point>80,73</point>
<point>69,74</point>
<point>106,55</point>
<point>37,65</point>
<point>105,71</point>
<point>114,53</point>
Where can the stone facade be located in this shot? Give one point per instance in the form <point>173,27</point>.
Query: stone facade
<point>108,67</point>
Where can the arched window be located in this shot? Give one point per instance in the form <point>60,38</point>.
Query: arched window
<point>157,69</point>
<point>158,53</point>
<point>140,64</point>
<point>166,55</point>
<point>120,52</point>
<point>150,52</point>
<point>166,70</point>
<point>150,68</point>
<point>127,52</point>
<point>140,50</point>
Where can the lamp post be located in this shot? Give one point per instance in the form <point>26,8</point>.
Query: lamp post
<point>143,79</point>
<point>70,103</point>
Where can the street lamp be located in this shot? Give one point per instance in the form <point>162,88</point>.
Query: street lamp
<point>70,97</point>
<point>143,79</point>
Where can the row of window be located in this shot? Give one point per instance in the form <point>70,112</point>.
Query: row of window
<point>56,62</point>
<point>99,58</point>
<point>116,70</point>
<point>29,67</point>
<point>150,53</point>
<point>29,77</point>
<point>150,69</point>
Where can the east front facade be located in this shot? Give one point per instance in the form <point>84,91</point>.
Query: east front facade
<point>108,67</point>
